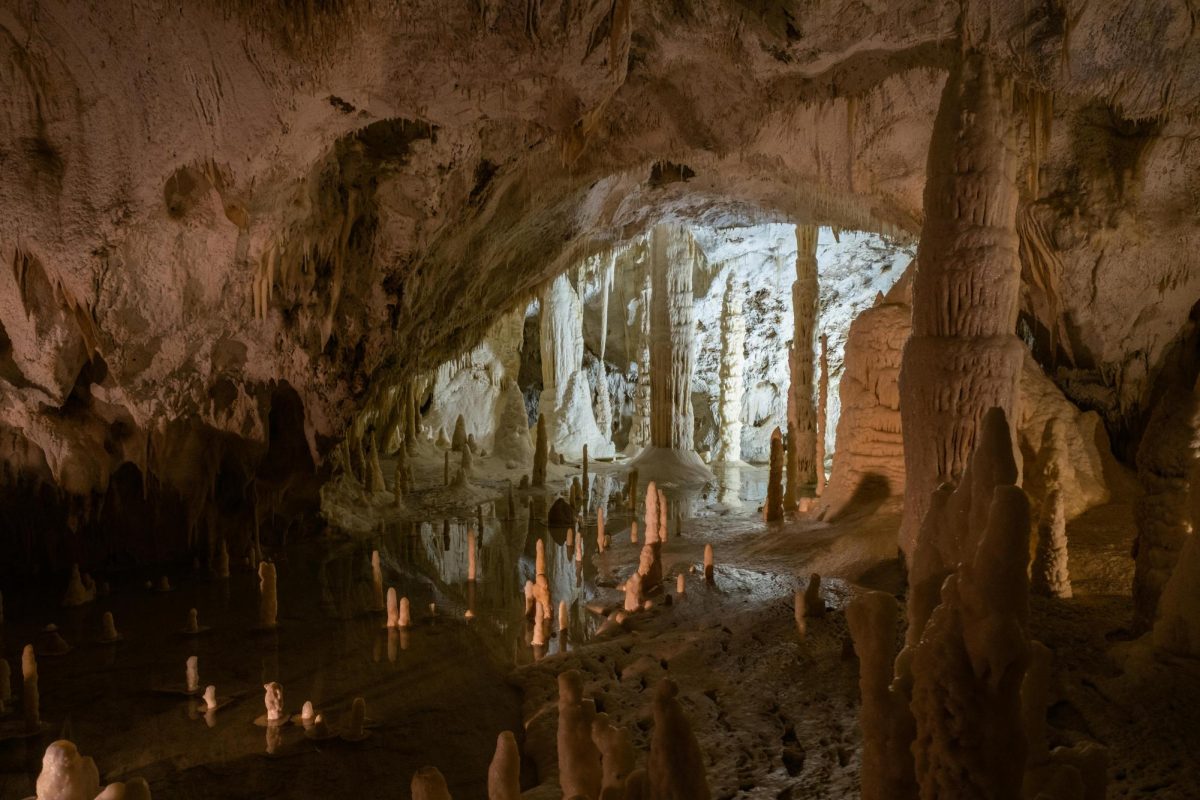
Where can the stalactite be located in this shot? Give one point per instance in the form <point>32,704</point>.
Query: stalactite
<point>962,357</point>
<point>733,361</point>
<point>802,418</point>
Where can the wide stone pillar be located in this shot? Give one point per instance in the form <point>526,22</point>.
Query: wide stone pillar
<point>963,356</point>
<point>672,357</point>
<point>802,415</point>
<point>566,399</point>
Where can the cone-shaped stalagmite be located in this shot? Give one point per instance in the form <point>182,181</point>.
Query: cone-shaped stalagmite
<point>802,416</point>
<point>579,771</point>
<point>504,773</point>
<point>773,508</point>
<point>428,783</point>
<point>963,356</point>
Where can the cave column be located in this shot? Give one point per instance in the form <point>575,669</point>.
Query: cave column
<point>733,363</point>
<point>963,356</point>
<point>639,428</point>
<point>566,399</point>
<point>802,416</point>
<point>672,335</point>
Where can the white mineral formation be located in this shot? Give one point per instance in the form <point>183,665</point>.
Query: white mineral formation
<point>273,700</point>
<point>30,700</point>
<point>566,393</point>
<point>887,766</point>
<point>192,674</point>
<point>639,426</point>
<point>773,507</point>
<point>504,773</point>
<point>733,362</point>
<point>675,767</point>
<point>822,416</point>
<point>511,443</point>
<point>80,589</point>
<point>673,257</point>
<point>709,563</point>
<point>962,358</point>
<point>429,784</point>
<point>268,606</point>
<point>579,769</point>
<point>210,697</point>
<point>377,581</point>
<point>802,417</point>
<point>66,775</point>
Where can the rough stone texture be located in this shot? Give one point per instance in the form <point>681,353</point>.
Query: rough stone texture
<point>672,354</point>
<point>962,357</point>
<point>802,415</point>
<point>733,361</point>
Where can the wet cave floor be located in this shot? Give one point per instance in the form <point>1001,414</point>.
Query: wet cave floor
<point>775,713</point>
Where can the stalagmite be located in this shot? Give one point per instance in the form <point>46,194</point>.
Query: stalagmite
<point>377,582</point>
<point>579,769</point>
<point>471,554</point>
<point>802,418</point>
<point>963,356</point>
<point>578,548</point>
<point>222,568</point>
<point>733,364</point>
<point>80,589</point>
<point>633,532</point>
<point>210,698</point>
<point>458,442</point>
<point>652,515</point>
<point>822,416</point>
<point>709,563</point>
<point>663,528</point>
<point>564,617</point>
<point>675,767</point>
<point>393,608</point>
<point>680,583</point>
<point>617,756</point>
<point>539,625</point>
<point>539,557</point>
<point>970,658</point>
<point>504,773</point>
<point>540,453</point>
<point>814,603</point>
<point>307,713</point>
<point>541,592</point>
<point>268,605</point>
<point>884,718</point>
<point>773,508</point>
<point>30,700</point>
<point>798,613</point>
<point>192,675</point>
<point>273,700</point>
<point>650,559</point>
<point>601,537</point>
<point>1050,575</point>
<point>108,628</point>
<point>633,593</point>
<point>429,784</point>
<point>193,622</point>
<point>66,775</point>
<point>405,618</point>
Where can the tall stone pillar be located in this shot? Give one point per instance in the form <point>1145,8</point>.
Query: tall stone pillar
<point>672,337</point>
<point>733,364</point>
<point>639,427</point>
<point>802,416</point>
<point>963,356</point>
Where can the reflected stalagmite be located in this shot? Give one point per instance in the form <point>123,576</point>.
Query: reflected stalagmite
<point>192,675</point>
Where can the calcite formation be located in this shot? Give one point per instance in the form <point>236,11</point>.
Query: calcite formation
<point>733,362</point>
<point>504,773</point>
<point>773,506</point>
<point>802,415</point>
<point>566,399</point>
<point>963,357</point>
<point>579,769</point>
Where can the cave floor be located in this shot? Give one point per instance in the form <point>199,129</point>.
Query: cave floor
<point>775,712</point>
